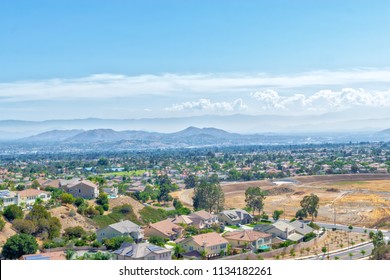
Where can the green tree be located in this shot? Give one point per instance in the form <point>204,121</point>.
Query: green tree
<point>177,251</point>
<point>35,184</point>
<point>13,212</point>
<point>208,196</point>
<point>254,198</point>
<point>157,240</point>
<point>191,181</point>
<point>276,215</point>
<point>19,245</point>
<point>310,204</point>
<point>78,201</point>
<point>301,214</point>
<point>67,198</point>
<point>102,198</point>
<point>25,226</point>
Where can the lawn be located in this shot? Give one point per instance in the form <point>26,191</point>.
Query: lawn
<point>233,227</point>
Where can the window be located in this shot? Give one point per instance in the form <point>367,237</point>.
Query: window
<point>79,190</point>
<point>191,248</point>
<point>223,246</point>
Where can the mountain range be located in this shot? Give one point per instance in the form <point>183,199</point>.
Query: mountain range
<point>337,122</point>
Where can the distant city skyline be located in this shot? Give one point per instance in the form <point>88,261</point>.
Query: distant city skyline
<point>149,59</point>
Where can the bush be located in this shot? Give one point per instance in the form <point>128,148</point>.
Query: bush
<point>106,207</point>
<point>100,209</point>
<point>82,208</point>
<point>25,226</point>
<point>2,224</point>
<point>53,244</point>
<point>72,213</point>
<point>157,240</point>
<point>102,199</point>
<point>80,243</point>
<point>13,212</point>
<point>19,245</point>
<point>116,242</point>
<point>309,236</point>
<point>74,232</point>
<point>67,198</point>
<point>91,212</point>
<point>96,244</point>
<point>78,201</point>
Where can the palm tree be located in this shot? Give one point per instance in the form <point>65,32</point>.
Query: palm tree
<point>178,249</point>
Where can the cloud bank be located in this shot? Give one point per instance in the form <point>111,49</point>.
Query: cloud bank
<point>323,100</point>
<point>204,104</point>
<point>108,86</point>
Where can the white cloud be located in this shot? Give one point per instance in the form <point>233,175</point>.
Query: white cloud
<point>107,86</point>
<point>323,100</point>
<point>206,105</point>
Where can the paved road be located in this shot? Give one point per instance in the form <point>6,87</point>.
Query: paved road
<point>345,255</point>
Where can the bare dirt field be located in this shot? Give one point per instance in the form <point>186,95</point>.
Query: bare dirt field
<point>361,199</point>
<point>62,213</point>
<point>6,233</point>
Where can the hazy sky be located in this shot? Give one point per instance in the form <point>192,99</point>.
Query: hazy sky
<point>134,59</point>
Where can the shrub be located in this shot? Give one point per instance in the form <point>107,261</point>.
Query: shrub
<point>72,213</point>
<point>100,209</point>
<point>78,201</point>
<point>2,224</point>
<point>19,245</point>
<point>80,243</point>
<point>25,226</point>
<point>116,242</point>
<point>156,240</point>
<point>67,198</point>
<point>106,207</point>
<point>96,244</point>
<point>102,199</point>
<point>13,212</point>
<point>74,232</point>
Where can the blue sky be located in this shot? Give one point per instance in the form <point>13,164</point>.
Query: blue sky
<point>133,59</point>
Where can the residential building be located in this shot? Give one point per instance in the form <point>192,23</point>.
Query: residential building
<point>233,217</point>
<point>203,219</point>
<point>8,198</point>
<point>80,188</point>
<point>142,251</point>
<point>211,243</point>
<point>125,228</point>
<point>301,228</point>
<point>164,229</point>
<point>29,196</point>
<point>249,238</point>
<point>281,230</point>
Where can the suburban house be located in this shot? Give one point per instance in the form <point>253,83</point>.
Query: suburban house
<point>125,228</point>
<point>182,219</point>
<point>301,228</point>
<point>164,229</point>
<point>203,219</point>
<point>211,243</point>
<point>141,251</point>
<point>44,256</point>
<point>255,240</point>
<point>8,198</point>
<point>233,217</point>
<point>80,188</point>
<point>111,192</point>
<point>29,196</point>
<point>281,230</point>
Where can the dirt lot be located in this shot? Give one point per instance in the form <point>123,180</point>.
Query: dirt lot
<point>6,233</point>
<point>62,213</point>
<point>361,200</point>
